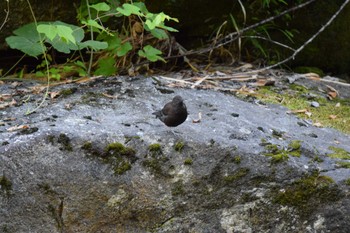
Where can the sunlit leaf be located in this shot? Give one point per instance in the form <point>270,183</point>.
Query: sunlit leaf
<point>151,53</point>
<point>101,6</point>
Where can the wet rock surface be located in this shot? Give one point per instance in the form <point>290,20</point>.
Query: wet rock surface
<point>95,159</point>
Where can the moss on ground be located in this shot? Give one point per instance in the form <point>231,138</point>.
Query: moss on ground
<point>329,114</point>
<point>236,175</point>
<point>339,153</point>
<point>179,146</point>
<point>307,193</point>
<point>119,156</point>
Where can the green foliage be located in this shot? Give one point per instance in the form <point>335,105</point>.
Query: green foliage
<point>151,53</point>
<point>118,46</point>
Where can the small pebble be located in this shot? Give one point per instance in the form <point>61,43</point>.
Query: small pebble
<point>315,104</point>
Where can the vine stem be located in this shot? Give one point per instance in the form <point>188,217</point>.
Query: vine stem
<point>46,63</point>
<point>92,38</point>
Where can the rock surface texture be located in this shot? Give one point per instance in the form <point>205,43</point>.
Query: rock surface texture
<point>86,162</point>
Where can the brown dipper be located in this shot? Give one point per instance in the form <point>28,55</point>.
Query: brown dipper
<point>173,113</point>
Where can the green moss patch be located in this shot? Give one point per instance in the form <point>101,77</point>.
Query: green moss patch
<point>347,181</point>
<point>179,146</point>
<point>5,185</point>
<point>307,193</point>
<point>188,161</point>
<point>339,153</point>
<point>155,147</point>
<point>237,175</point>
<point>64,140</point>
<point>120,157</point>
<point>178,188</point>
<point>67,92</point>
<point>343,164</point>
<point>280,154</point>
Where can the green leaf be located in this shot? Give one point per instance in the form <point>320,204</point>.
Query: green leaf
<point>93,44</point>
<point>151,53</point>
<point>129,9</point>
<point>48,29</point>
<point>101,6</point>
<point>93,23</point>
<point>115,45</point>
<point>106,67</point>
<point>27,40</point>
<point>63,43</point>
<point>124,49</point>
<point>150,24</point>
<point>27,46</point>
<point>66,33</point>
<point>159,34</point>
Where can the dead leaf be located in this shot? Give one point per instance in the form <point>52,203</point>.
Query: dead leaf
<point>110,96</point>
<point>332,117</point>
<point>312,76</point>
<point>5,96</point>
<point>68,106</point>
<point>263,82</point>
<point>317,124</point>
<point>15,128</point>
<point>332,95</point>
<point>38,89</point>
<point>15,84</point>
<point>9,119</point>
<point>54,94</point>
<point>300,110</point>
<point>199,118</point>
<point>309,114</point>
<point>13,102</point>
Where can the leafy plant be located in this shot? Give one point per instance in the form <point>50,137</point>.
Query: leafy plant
<point>138,35</point>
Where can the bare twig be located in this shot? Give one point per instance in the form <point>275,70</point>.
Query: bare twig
<point>7,11</point>
<point>272,41</point>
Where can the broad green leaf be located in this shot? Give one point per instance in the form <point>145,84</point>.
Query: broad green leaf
<point>27,40</point>
<point>129,9</point>
<point>95,45</point>
<point>101,6</point>
<point>66,33</point>
<point>151,53</point>
<point>170,29</point>
<point>114,43</point>
<point>159,33</point>
<point>124,49</point>
<point>32,48</point>
<point>28,31</point>
<point>150,24</point>
<point>93,23</point>
<point>48,29</point>
<point>106,67</point>
<point>62,44</point>
<point>142,7</point>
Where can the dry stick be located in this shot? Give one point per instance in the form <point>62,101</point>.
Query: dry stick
<point>7,14</point>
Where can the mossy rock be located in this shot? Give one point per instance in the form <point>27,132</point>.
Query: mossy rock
<point>307,193</point>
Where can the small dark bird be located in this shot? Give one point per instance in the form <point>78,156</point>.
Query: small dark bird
<point>173,113</point>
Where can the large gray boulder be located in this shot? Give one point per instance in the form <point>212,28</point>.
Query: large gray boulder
<point>87,162</point>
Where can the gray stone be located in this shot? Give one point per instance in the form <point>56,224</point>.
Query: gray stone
<point>66,176</point>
